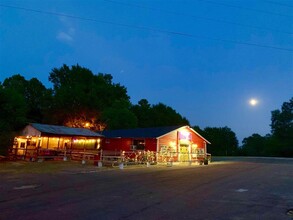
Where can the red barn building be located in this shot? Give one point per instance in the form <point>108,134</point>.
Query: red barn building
<point>174,143</point>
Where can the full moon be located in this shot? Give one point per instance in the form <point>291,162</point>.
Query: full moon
<point>253,102</point>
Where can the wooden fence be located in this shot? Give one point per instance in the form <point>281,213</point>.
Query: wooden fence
<point>106,157</point>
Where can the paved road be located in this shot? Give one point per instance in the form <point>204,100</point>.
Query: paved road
<point>222,190</point>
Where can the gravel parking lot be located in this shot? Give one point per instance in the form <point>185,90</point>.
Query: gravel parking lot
<point>229,188</point>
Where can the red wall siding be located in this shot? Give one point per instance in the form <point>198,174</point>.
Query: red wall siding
<point>170,144</point>
<point>116,144</point>
<point>125,143</point>
<point>151,144</point>
<point>197,140</point>
<point>171,137</point>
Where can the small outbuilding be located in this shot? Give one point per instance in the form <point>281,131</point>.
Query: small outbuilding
<point>52,140</point>
<point>173,143</point>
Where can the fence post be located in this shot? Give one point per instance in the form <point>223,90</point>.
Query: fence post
<point>25,152</point>
<point>83,157</point>
<point>64,156</point>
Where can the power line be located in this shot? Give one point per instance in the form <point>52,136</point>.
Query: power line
<point>245,8</point>
<point>278,3</point>
<point>149,28</point>
<point>199,17</point>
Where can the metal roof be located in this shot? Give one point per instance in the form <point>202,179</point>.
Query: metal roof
<point>62,130</point>
<point>140,132</point>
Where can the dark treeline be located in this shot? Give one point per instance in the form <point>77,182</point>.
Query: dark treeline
<point>80,98</point>
<point>279,142</point>
<point>223,139</point>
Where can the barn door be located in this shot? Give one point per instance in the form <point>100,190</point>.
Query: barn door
<point>184,153</point>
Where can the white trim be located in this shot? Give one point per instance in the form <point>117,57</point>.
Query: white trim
<point>199,135</point>
<point>186,126</point>
<point>157,152</point>
<point>171,131</point>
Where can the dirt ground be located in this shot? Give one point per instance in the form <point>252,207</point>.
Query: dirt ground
<point>19,167</point>
<point>229,188</point>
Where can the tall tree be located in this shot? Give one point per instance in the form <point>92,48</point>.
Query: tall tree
<point>17,83</point>
<point>142,110</point>
<point>79,94</point>
<point>163,115</point>
<point>39,100</point>
<point>223,139</point>
<point>13,110</point>
<point>157,115</point>
<point>257,145</point>
<point>282,128</point>
<point>254,145</point>
<point>12,116</point>
<point>119,116</point>
<point>282,121</point>
<point>37,97</point>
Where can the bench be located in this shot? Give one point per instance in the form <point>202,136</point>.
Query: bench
<point>112,160</point>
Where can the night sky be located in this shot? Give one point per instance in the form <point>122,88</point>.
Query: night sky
<point>204,58</point>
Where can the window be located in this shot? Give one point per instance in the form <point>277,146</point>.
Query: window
<point>138,144</point>
<point>194,149</point>
<point>33,143</point>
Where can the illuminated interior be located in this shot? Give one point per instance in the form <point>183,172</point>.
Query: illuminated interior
<point>187,147</point>
<point>56,143</point>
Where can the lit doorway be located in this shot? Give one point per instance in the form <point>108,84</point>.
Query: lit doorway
<point>184,152</point>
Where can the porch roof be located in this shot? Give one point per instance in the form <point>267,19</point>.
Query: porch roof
<point>65,131</point>
<point>139,132</point>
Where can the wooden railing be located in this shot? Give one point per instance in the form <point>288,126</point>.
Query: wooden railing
<point>106,157</point>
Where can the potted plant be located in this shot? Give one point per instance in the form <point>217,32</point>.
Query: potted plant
<point>205,161</point>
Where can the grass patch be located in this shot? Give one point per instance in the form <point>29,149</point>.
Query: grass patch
<point>42,167</point>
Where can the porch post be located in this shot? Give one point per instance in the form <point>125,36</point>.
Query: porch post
<point>38,147</point>
<point>157,151</point>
